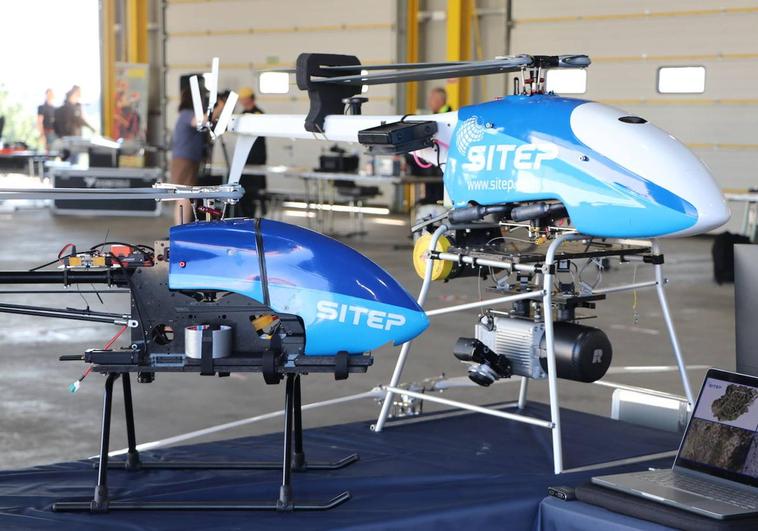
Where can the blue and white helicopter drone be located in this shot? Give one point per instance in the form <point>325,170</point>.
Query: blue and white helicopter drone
<point>532,157</point>
<point>614,175</point>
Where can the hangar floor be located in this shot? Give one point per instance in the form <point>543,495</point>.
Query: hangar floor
<point>42,422</point>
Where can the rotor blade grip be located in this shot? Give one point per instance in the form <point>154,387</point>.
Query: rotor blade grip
<point>574,61</point>
<point>226,115</point>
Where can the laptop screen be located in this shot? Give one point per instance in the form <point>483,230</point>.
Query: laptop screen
<point>722,435</point>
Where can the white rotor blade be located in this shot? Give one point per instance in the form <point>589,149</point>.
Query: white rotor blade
<point>197,101</point>
<point>212,84</point>
<point>208,77</point>
<point>214,72</point>
<point>226,115</point>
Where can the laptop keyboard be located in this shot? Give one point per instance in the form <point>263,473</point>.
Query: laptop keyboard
<point>707,489</point>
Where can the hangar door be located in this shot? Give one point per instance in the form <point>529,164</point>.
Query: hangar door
<point>638,49</point>
<point>252,36</point>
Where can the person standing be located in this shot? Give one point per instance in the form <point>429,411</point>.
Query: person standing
<point>436,102</point>
<point>69,119</point>
<point>188,149</point>
<point>257,155</point>
<point>254,184</point>
<point>45,119</point>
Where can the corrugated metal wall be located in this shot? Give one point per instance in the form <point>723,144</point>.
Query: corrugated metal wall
<point>253,35</point>
<point>492,42</point>
<point>628,41</point>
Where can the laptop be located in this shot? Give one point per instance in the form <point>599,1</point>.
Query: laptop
<point>715,473</point>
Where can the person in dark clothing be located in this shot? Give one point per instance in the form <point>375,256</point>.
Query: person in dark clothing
<point>247,101</point>
<point>254,184</point>
<point>69,119</point>
<point>207,178</point>
<point>45,119</point>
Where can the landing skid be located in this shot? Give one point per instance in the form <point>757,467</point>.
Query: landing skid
<point>293,460</point>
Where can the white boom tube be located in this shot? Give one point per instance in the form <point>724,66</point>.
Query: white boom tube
<point>337,128</point>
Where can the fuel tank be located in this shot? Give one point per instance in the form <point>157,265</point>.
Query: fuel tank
<point>346,301</point>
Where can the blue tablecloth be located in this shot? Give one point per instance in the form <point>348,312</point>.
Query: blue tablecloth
<point>557,515</point>
<point>460,472</point>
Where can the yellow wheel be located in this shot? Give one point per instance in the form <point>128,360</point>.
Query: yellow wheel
<point>441,269</point>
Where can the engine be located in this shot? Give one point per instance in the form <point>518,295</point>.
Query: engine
<point>505,346</point>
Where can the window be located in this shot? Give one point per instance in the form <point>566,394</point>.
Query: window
<point>567,81</point>
<point>274,83</point>
<point>681,79</point>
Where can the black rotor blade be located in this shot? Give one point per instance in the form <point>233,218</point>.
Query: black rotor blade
<point>396,66</point>
<point>479,68</point>
<point>442,70</point>
<point>388,66</point>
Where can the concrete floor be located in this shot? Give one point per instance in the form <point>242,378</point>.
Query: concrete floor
<point>43,422</point>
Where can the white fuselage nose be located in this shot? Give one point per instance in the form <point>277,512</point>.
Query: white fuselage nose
<point>645,150</point>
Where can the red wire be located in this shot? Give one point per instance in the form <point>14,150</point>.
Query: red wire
<point>108,345</point>
<point>60,253</point>
<point>114,338</point>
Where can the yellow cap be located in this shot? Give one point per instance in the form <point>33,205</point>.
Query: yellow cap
<point>441,269</point>
<point>246,92</point>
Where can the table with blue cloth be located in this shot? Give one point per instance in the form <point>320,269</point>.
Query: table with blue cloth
<point>558,515</point>
<point>441,471</point>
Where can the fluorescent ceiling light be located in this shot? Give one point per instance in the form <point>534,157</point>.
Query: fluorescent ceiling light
<point>299,213</point>
<point>379,211</point>
<point>389,221</point>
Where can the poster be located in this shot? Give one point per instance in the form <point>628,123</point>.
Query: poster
<point>130,105</point>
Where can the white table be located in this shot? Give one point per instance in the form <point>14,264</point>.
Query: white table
<point>320,193</point>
